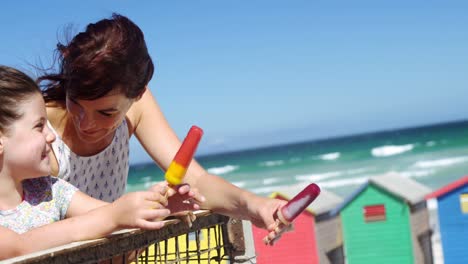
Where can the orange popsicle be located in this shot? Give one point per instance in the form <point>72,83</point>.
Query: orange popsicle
<point>178,167</point>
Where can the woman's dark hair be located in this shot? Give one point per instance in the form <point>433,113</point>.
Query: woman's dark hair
<point>15,87</point>
<point>110,54</point>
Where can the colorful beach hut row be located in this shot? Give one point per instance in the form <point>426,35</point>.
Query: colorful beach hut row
<point>384,221</point>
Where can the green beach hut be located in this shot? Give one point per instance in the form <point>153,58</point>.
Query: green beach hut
<point>386,221</point>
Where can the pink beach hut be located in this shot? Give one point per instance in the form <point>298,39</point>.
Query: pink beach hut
<point>314,234</point>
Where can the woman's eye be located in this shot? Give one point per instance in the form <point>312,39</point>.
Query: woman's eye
<point>105,114</point>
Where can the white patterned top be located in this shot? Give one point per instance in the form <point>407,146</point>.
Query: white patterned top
<point>46,200</point>
<point>103,175</point>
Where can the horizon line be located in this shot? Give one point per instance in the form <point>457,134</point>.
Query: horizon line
<point>322,139</point>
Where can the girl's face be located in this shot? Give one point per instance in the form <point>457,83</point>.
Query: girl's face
<point>26,143</point>
<point>96,120</point>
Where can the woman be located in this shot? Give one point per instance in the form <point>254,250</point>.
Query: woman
<point>99,98</point>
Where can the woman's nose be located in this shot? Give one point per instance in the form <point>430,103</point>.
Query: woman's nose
<point>85,122</point>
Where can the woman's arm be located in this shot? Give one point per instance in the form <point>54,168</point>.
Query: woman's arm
<point>159,140</point>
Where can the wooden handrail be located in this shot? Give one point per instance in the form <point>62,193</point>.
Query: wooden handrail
<point>132,240</point>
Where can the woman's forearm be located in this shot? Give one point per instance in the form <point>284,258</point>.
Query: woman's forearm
<point>222,196</point>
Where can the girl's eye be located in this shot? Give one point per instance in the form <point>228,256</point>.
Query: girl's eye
<point>39,126</point>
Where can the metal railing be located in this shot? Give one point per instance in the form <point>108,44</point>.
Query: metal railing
<point>212,238</point>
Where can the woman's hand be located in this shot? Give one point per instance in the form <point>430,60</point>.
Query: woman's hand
<point>262,210</point>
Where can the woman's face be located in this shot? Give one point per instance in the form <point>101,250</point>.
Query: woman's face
<point>96,120</point>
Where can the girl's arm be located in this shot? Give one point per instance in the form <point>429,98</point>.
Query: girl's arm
<point>133,210</point>
<point>159,140</point>
<point>180,199</point>
<point>82,203</point>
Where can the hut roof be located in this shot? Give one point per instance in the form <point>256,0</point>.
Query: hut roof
<point>402,187</point>
<point>448,188</point>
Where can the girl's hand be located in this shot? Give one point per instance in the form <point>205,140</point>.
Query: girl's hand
<point>180,197</point>
<point>140,210</point>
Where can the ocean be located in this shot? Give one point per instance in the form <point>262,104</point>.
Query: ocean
<point>432,155</point>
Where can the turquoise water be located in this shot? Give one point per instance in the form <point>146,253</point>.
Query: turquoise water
<point>432,155</point>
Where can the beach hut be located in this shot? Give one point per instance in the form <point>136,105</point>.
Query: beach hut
<point>452,216</point>
<point>386,221</point>
<point>314,234</point>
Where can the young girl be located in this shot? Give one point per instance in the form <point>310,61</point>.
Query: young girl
<point>33,206</point>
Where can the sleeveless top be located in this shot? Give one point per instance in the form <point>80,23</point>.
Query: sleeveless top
<point>102,176</point>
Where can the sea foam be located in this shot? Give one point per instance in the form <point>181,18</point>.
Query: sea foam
<point>390,150</point>
<point>441,162</point>
<point>271,163</point>
<point>223,170</point>
<point>330,156</point>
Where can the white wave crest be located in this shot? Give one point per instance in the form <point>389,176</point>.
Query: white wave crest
<point>359,170</point>
<point>330,156</point>
<point>295,160</point>
<point>343,182</point>
<point>145,179</point>
<point>390,150</point>
<point>417,174</point>
<point>240,184</point>
<point>223,170</point>
<point>265,190</point>
<point>268,181</point>
<point>332,174</point>
<point>318,176</point>
<point>440,162</point>
<point>272,163</point>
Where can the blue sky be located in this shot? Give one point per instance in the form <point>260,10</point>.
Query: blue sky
<point>255,73</point>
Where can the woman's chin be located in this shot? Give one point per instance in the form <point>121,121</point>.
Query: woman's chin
<point>90,138</point>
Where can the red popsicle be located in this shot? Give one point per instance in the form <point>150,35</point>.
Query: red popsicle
<point>286,214</point>
<point>178,167</point>
<point>299,203</point>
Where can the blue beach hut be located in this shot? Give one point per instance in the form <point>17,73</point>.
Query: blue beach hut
<point>452,214</point>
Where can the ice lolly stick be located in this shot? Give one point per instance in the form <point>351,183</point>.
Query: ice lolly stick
<point>286,214</point>
<point>176,172</point>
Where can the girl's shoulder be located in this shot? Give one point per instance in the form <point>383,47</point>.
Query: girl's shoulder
<point>42,188</point>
